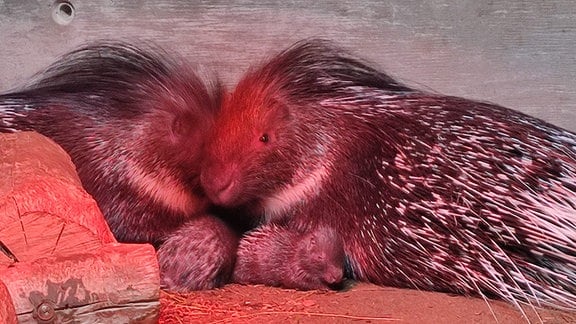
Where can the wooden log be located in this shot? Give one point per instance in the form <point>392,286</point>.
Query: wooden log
<point>118,283</point>
<point>59,261</point>
<point>43,208</point>
<point>7,311</point>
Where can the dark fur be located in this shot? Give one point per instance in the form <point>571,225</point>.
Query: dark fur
<point>278,256</point>
<point>133,121</point>
<point>198,255</point>
<point>427,191</point>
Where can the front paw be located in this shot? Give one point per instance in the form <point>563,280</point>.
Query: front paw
<point>199,255</point>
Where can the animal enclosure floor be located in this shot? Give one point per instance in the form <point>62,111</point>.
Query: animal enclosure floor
<point>362,303</point>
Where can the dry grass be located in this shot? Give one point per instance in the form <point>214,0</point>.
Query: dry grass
<point>237,304</point>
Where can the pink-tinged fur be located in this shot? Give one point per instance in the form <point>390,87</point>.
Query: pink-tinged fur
<point>165,189</point>
<point>196,256</point>
<point>426,191</point>
<point>308,183</point>
<point>279,256</point>
<point>134,120</point>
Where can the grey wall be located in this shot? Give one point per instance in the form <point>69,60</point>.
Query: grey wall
<point>517,53</point>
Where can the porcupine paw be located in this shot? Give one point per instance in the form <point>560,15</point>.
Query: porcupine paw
<point>199,255</point>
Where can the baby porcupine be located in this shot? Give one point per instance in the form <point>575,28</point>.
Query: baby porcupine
<point>277,256</point>
<point>133,120</point>
<point>426,191</point>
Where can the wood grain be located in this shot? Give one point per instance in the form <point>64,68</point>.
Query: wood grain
<point>118,283</point>
<point>7,311</point>
<point>43,208</point>
<point>520,54</point>
<point>59,261</point>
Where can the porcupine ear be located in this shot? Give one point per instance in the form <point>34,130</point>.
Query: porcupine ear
<point>195,100</point>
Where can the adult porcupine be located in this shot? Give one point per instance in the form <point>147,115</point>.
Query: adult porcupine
<point>133,121</point>
<point>427,191</point>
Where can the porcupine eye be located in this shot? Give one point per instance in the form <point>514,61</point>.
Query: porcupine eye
<point>264,138</point>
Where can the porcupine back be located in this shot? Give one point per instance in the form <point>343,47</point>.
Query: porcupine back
<point>132,119</point>
<point>427,191</point>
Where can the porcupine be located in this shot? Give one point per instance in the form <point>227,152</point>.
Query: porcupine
<point>427,191</point>
<point>276,256</point>
<point>133,119</point>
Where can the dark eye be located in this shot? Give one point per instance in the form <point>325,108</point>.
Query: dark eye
<point>264,138</point>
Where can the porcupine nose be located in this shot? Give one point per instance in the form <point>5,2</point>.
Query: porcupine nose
<point>333,277</point>
<point>218,182</point>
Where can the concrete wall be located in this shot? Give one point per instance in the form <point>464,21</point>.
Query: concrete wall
<point>518,53</point>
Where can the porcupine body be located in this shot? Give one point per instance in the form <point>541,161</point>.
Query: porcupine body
<point>426,191</point>
<point>278,256</point>
<point>133,121</point>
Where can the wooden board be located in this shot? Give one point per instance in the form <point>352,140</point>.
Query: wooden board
<point>58,259</point>
<point>118,283</point>
<point>520,54</point>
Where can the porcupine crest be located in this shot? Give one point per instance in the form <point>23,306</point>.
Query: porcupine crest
<point>131,118</point>
<point>428,191</point>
